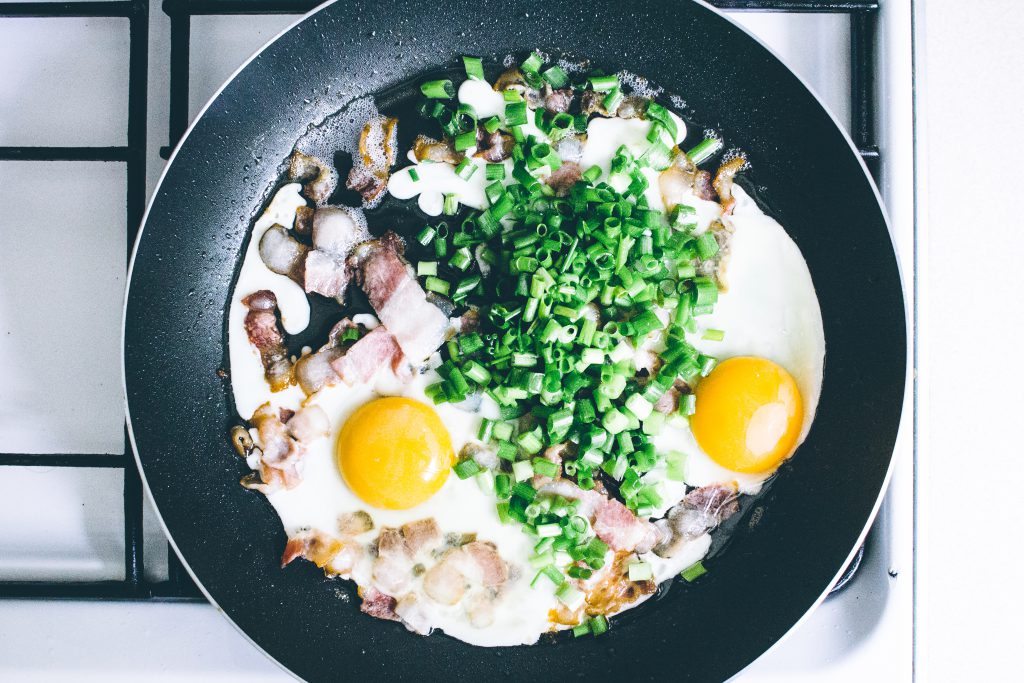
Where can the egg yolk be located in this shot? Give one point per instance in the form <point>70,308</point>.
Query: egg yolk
<point>748,414</point>
<point>394,453</point>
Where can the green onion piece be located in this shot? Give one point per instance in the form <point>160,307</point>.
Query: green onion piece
<point>474,67</point>
<point>426,235</point>
<point>426,268</point>
<point>495,172</point>
<point>613,99</point>
<point>506,449</point>
<point>465,168</point>
<point>707,245</point>
<point>548,530</point>
<point>438,90</point>
<point>467,285</point>
<point>580,629</point>
<point>522,470</point>
<point>693,572</point>
<point>461,259</point>
<point>545,468</point>
<point>556,76</point>
<point>640,571</point>
<point>464,141</point>
<point>486,427</point>
<point>515,114</point>
<point>713,335</point>
<point>598,624</point>
<point>704,150</point>
<point>592,174</point>
<point>604,83</point>
<point>414,175</point>
<point>466,468</point>
<point>532,63</point>
<point>451,205</point>
<point>502,507</point>
<point>437,285</point>
<point>569,595</point>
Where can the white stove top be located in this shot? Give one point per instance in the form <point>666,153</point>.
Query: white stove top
<point>67,523</point>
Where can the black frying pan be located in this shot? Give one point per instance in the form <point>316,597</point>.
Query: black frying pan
<point>788,545</point>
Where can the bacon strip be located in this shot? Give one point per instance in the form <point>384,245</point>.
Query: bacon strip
<point>700,511</point>
<point>283,254</point>
<point>335,232</point>
<point>612,521</point>
<point>313,371</point>
<point>376,350</point>
<point>266,335</point>
<point>377,604</point>
<point>418,326</point>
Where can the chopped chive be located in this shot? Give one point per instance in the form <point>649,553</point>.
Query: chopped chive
<point>466,468</point>
<point>440,89</point>
<point>713,335</point>
<point>414,175</point>
<point>704,150</point>
<point>604,83</point>
<point>694,572</point>
<point>474,67</point>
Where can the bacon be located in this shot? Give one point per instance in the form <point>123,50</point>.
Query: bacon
<point>283,254</point>
<point>335,232</point>
<point>428,149</point>
<point>325,275</point>
<point>309,424</point>
<point>377,604</point>
<point>703,187</point>
<point>318,178</point>
<point>315,546</point>
<point>495,147</point>
<point>423,533</point>
<point>354,523</point>
<point>558,101</point>
<point>266,335</point>
<point>723,182</point>
<point>668,402</point>
<point>418,326</point>
<point>303,220</point>
<point>377,153</point>
<point>682,179</point>
<point>700,511</point>
<point>621,529</point>
<point>562,180</point>
<point>376,350</point>
<point>493,569</point>
<point>612,521</point>
<point>313,371</point>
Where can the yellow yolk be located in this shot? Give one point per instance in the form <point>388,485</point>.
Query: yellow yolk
<point>748,414</point>
<point>394,453</point>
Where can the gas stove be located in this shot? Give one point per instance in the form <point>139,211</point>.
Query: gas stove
<point>89,588</point>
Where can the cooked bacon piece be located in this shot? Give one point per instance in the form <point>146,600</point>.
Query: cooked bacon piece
<point>392,569</point>
<point>304,220</point>
<point>319,179</point>
<point>621,529</point>
<point>562,179</point>
<point>495,147</point>
<point>631,107</point>
<point>513,79</point>
<point>313,371</point>
<point>423,533</point>
<point>418,326</point>
<point>682,179</point>
<point>377,604</point>
<point>335,232</point>
<point>429,149</point>
<point>700,511</point>
<point>444,583</point>
<point>377,153</point>
<point>668,403</point>
<point>325,275</point>
<point>723,182</point>
<point>612,521</point>
<point>558,101</point>
<point>309,424</point>
<point>354,523</point>
<point>376,350</point>
<point>315,546</point>
<point>615,591</point>
<point>282,253</point>
<point>703,187</point>
<point>266,335</point>
<point>493,569</point>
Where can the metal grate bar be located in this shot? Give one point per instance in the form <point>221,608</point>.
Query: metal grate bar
<point>61,460</point>
<point>117,8</point>
<point>863,29</point>
<point>65,153</point>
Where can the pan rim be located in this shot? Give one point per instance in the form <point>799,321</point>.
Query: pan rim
<point>907,385</point>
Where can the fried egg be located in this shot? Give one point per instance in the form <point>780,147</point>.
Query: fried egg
<point>382,474</point>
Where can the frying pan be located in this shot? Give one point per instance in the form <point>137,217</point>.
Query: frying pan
<point>787,546</point>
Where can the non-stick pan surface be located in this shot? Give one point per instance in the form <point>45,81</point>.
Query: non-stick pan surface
<point>787,547</point>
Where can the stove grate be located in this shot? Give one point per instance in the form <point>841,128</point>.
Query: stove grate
<point>863,28</point>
